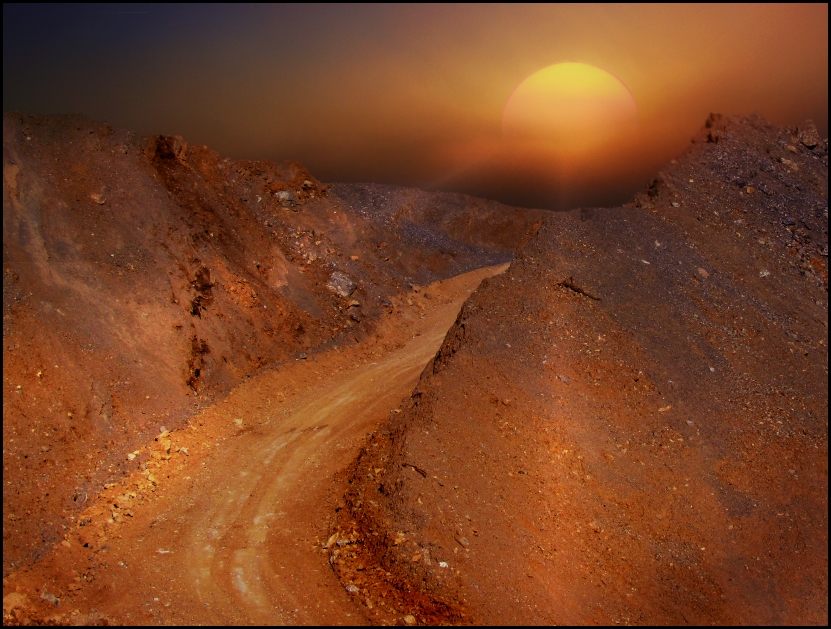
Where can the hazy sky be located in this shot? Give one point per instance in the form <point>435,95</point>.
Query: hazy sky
<point>412,94</point>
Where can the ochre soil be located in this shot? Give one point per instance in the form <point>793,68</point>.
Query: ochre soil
<point>628,425</point>
<point>227,521</point>
<point>143,279</point>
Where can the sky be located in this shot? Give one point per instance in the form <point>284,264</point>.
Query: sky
<point>414,95</point>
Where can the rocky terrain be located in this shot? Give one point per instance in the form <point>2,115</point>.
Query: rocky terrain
<point>205,360</point>
<point>630,425</point>
<point>144,278</point>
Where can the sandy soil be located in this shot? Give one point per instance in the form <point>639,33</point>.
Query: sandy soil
<point>229,519</point>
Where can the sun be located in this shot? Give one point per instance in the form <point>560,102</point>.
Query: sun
<point>569,108</point>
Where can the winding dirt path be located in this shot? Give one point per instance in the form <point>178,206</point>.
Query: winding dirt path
<point>226,523</point>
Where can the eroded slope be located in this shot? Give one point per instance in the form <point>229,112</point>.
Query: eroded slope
<point>629,425</point>
<point>144,278</point>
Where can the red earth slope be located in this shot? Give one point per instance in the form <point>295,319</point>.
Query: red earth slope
<point>630,425</point>
<point>144,278</point>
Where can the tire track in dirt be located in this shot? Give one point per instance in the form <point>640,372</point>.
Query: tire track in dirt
<point>235,534</point>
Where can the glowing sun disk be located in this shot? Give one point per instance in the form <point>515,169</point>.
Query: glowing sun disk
<point>569,107</point>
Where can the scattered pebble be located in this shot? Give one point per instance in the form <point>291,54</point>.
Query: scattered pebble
<point>410,619</point>
<point>675,204</point>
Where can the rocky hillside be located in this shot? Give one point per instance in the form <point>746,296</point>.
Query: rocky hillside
<point>630,425</point>
<point>143,278</point>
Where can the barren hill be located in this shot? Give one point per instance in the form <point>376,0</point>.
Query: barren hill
<point>144,278</point>
<point>630,425</point>
<point>205,361</point>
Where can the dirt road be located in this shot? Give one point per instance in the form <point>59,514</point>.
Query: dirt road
<point>225,521</point>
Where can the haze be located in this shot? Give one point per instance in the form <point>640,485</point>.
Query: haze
<point>412,95</point>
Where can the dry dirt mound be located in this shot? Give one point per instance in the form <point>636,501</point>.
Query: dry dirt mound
<point>144,278</point>
<point>631,424</point>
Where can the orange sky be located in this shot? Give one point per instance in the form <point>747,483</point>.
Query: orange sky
<point>412,94</point>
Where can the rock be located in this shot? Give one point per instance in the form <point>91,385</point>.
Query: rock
<point>51,598</point>
<point>341,284</point>
<point>98,198</point>
<point>166,446</point>
<point>410,619</point>
<point>131,456</point>
<point>808,134</point>
<point>442,564</point>
<point>302,356</point>
<point>286,196</point>
<point>170,147</point>
<point>674,204</point>
<point>703,273</point>
<point>565,379</point>
<point>352,589</point>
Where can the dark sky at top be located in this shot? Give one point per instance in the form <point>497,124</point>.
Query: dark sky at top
<point>412,94</point>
